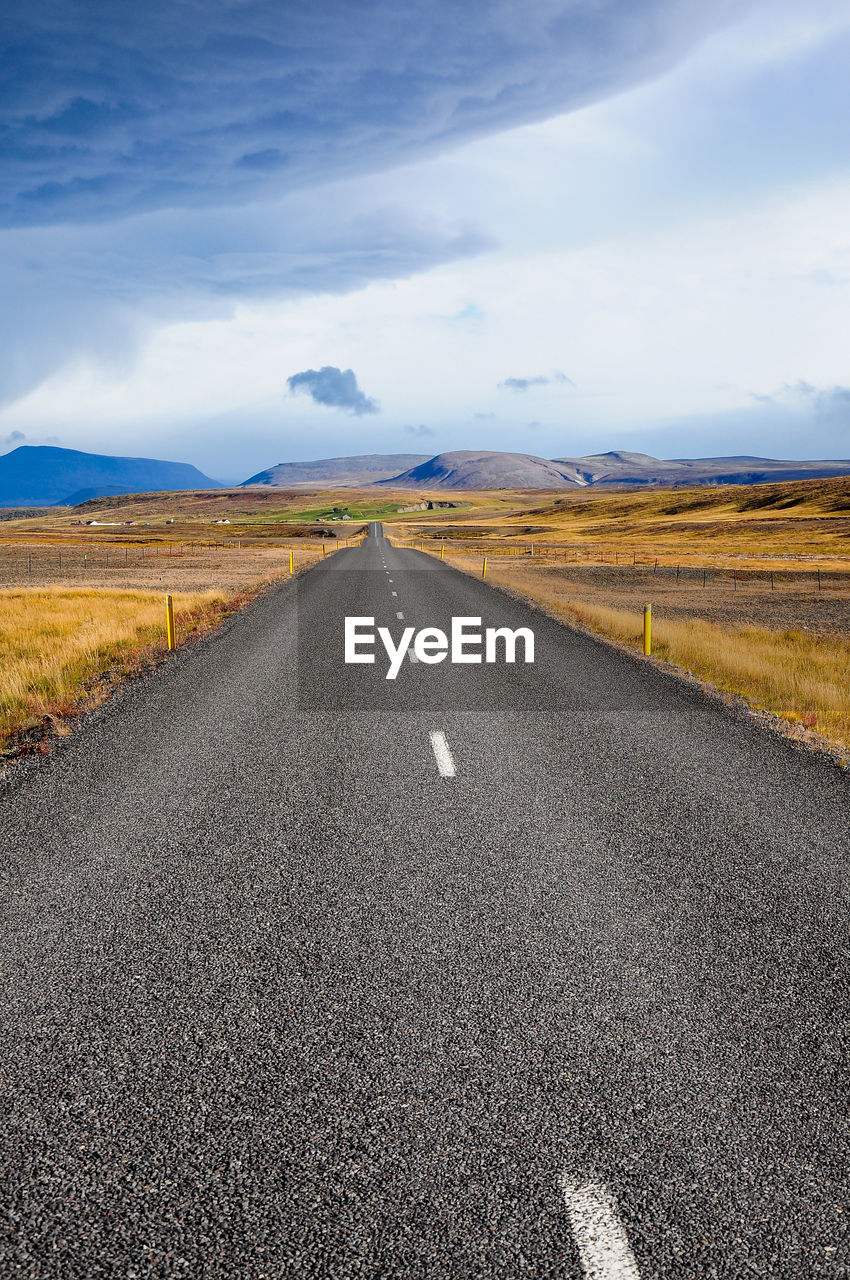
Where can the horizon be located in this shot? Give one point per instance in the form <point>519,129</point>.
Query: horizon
<point>625,235</point>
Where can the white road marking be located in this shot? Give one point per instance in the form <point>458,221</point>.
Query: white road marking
<point>442,755</point>
<point>412,656</point>
<point>400,617</point>
<point>602,1242</point>
<point>394,593</point>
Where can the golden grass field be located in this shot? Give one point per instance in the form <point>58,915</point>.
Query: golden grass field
<point>78,614</point>
<point>781,641</point>
<point>60,646</point>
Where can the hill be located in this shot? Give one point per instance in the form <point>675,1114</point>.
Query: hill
<point>40,475</point>
<point>367,468</point>
<point>467,469</point>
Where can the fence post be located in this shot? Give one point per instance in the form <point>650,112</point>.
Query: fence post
<point>771,579</point>
<point>323,550</point>
<point>819,586</point>
<point>169,621</point>
<point>647,629</point>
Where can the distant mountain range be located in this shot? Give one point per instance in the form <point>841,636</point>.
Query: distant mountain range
<point>44,475</point>
<point>491,469</point>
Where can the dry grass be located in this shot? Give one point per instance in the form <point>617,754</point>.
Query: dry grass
<point>801,518</point>
<point>56,646</point>
<point>71,632</point>
<point>799,676</point>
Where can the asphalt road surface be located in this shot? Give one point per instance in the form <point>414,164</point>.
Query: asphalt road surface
<point>488,971</point>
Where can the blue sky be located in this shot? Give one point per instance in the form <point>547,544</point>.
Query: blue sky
<point>247,232</point>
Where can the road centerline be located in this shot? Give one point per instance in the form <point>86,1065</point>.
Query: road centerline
<point>442,754</point>
<point>600,1237</point>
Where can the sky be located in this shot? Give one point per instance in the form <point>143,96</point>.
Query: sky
<point>250,232</point>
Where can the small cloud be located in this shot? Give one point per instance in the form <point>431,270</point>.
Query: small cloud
<point>539,380</point>
<point>334,387</point>
<point>484,417</point>
<point>16,438</point>
<point>532,426</point>
<point>421,430</point>
<point>829,403</point>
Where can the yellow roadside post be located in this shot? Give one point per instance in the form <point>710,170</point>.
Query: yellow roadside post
<point>647,629</point>
<point>442,549</point>
<point>292,562</point>
<point>169,621</point>
<point>484,568</point>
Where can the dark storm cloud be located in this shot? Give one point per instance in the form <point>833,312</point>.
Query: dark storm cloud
<point>336,388</point>
<point>112,109</point>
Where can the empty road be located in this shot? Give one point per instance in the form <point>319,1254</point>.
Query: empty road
<point>485,971</point>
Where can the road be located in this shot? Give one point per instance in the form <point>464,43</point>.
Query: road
<point>488,971</point>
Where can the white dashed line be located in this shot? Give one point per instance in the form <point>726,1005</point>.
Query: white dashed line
<point>442,755</point>
<point>394,593</point>
<point>412,656</point>
<point>602,1242</point>
<point>400,617</point>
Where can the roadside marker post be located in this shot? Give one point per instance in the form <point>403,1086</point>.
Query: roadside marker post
<point>647,629</point>
<point>484,568</point>
<point>292,562</point>
<point>442,551</point>
<point>169,621</point>
<point>323,550</point>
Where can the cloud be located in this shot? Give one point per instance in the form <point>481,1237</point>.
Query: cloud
<point>94,293</point>
<point>112,109</point>
<point>484,417</point>
<point>334,387</point>
<point>421,430</point>
<point>523,384</point>
<point>17,438</point>
<point>828,404</point>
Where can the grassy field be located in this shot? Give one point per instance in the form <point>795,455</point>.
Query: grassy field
<point>62,648</point>
<point>786,651</point>
<point>750,585</point>
<point>796,519</point>
<point>78,615</point>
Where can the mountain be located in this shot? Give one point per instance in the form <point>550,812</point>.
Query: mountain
<point>367,468</point>
<point>640,468</point>
<point>40,475</point>
<point>485,469</point>
<point>467,469</point>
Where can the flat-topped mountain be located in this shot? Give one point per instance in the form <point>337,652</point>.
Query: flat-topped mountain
<point>44,475</point>
<point>365,469</point>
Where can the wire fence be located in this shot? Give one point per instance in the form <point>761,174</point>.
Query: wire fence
<point>639,565</point>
